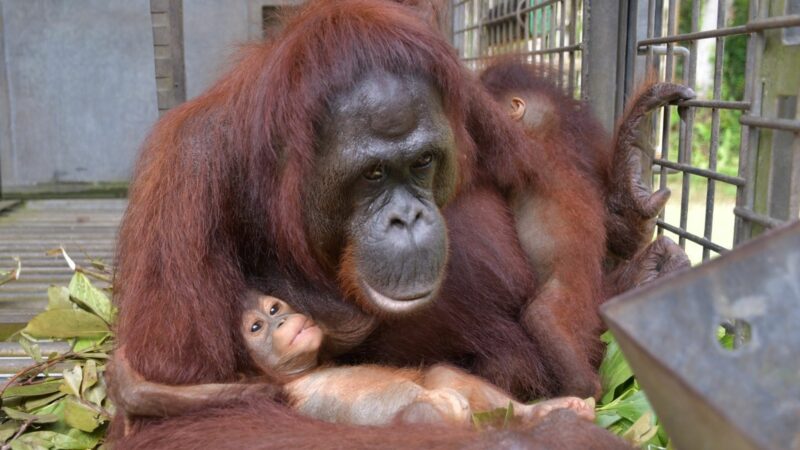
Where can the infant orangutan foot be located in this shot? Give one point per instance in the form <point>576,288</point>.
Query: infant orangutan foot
<point>438,406</point>
<point>532,414</point>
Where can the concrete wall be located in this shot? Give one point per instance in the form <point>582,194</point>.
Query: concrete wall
<point>78,80</point>
<point>213,30</point>
<point>81,92</point>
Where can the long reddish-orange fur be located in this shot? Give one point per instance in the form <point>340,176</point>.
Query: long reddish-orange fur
<point>217,199</point>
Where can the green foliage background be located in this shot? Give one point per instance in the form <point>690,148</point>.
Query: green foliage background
<point>732,89</point>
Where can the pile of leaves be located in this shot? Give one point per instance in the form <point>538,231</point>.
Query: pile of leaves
<point>623,408</point>
<point>61,402</point>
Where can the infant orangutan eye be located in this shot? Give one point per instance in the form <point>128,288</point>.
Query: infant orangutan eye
<point>256,326</point>
<point>274,310</point>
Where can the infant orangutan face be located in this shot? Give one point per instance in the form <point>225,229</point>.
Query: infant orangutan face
<point>278,338</point>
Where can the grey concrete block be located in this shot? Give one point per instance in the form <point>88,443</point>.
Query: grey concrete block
<point>159,5</point>
<point>163,67</point>
<point>161,35</point>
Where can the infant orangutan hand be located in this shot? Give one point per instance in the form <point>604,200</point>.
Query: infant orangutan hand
<point>534,413</point>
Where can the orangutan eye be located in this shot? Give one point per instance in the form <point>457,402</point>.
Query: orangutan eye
<point>256,327</point>
<point>274,310</point>
<point>375,173</point>
<point>423,161</point>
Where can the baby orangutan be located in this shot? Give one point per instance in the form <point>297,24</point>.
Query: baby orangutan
<point>285,344</point>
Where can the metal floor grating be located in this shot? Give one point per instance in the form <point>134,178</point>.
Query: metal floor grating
<point>86,228</point>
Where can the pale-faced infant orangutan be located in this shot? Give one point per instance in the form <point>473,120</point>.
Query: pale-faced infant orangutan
<point>285,345</point>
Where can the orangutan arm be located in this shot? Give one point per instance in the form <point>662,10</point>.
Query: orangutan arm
<point>139,397</point>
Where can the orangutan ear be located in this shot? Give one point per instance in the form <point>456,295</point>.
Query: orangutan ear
<point>517,108</point>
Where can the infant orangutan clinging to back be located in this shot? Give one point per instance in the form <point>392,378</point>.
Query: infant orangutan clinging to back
<point>285,343</point>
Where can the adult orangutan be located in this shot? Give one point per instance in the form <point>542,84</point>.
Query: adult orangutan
<point>353,159</point>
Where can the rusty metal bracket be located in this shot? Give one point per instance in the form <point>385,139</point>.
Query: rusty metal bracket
<point>708,396</point>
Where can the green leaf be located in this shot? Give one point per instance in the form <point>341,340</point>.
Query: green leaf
<point>24,443</point>
<point>496,418</point>
<point>661,436</point>
<point>74,439</point>
<point>77,439</point>
<point>72,380</point>
<point>642,430</point>
<point>64,323</point>
<point>725,339</point>
<point>82,290</point>
<point>34,440</point>
<point>98,263</point>
<point>33,405</point>
<point>97,393</point>
<point>95,344</point>
<point>605,419</point>
<point>614,369</point>
<point>31,348</point>
<point>35,418</point>
<point>89,375</point>
<point>32,390</point>
<point>81,416</point>
<point>55,408</point>
<point>620,427</point>
<point>634,407</point>
<point>8,429</point>
<point>58,298</point>
<point>509,417</point>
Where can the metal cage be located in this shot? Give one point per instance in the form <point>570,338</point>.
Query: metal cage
<point>731,156</point>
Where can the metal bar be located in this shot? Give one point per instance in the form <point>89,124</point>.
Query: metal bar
<point>498,19</point>
<point>650,31</point>
<point>561,42</point>
<point>718,104</point>
<point>690,75</point>
<point>545,51</point>
<point>750,27</point>
<point>534,31</point>
<point>538,6</point>
<point>551,38</point>
<point>760,219</point>
<point>741,29</point>
<point>769,23</point>
<point>573,29</point>
<point>773,124</point>
<point>527,25</point>
<point>745,195</point>
<point>517,42</point>
<point>714,147</point>
<point>662,50</point>
<point>664,164</point>
<point>480,44</point>
<point>692,237</point>
<point>465,29</point>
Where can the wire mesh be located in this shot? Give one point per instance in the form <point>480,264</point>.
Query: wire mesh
<point>537,31</point>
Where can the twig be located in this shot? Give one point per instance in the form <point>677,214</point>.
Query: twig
<point>19,432</point>
<point>98,409</point>
<point>13,275</point>
<point>94,274</point>
<point>40,367</point>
